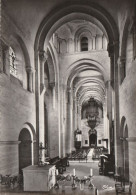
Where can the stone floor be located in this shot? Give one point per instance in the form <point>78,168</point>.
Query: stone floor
<point>104,184</point>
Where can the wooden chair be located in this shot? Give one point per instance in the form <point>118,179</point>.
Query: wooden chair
<point>121,188</point>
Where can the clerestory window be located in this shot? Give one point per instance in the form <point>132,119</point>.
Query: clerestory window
<point>84,44</point>
<point>12,57</point>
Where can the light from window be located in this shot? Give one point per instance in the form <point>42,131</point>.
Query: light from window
<point>84,44</point>
<point>12,57</point>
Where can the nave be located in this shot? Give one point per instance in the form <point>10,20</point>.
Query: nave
<point>67,92</point>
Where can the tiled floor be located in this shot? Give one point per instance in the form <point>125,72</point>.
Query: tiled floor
<point>104,184</point>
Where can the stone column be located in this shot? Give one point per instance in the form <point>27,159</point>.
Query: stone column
<point>98,42</point>
<point>104,42</point>
<point>52,86</point>
<point>29,71</point>
<point>68,134</point>
<point>4,58</point>
<point>122,65</point>
<point>134,38</point>
<point>113,52</point>
<point>106,129</point>
<point>94,42</point>
<point>78,114</point>
<point>109,112</point>
<point>1,57</point>
<point>112,63</point>
<point>74,115</point>
<point>42,58</point>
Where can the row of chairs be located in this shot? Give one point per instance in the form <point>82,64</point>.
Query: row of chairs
<point>79,155</point>
<point>98,151</point>
<point>60,163</point>
<point>121,185</point>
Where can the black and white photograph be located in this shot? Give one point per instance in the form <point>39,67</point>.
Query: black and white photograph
<point>67,97</point>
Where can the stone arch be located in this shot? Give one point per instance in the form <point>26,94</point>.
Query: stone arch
<point>84,64</point>
<point>80,33</point>
<point>28,136</point>
<point>25,51</point>
<point>85,96</point>
<point>84,7</point>
<point>25,154</point>
<point>98,81</point>
<point>54,57</point>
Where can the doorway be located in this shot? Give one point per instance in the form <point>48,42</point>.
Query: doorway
<point>93,140</point>
<point>25,154</point>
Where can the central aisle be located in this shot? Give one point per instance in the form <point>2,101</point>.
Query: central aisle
<point>90,154</point>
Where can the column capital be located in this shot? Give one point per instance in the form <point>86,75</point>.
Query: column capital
<point>29,69</point>
<point>52,84</point>
<point>112,47</point>
<point>121,60</point>
<point>43,56</point>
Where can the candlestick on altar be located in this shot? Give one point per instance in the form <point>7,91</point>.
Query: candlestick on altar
<point>56,186</point>
<point>74,186</point>
<point>56,171</point>
<point>91,172</point>
<point>74,172</point>
<point>96,191</point>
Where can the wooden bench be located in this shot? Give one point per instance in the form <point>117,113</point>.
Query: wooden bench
<point>60,163</point>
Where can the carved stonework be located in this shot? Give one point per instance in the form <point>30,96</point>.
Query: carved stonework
<point>29,69</point>
<point>43,56</point>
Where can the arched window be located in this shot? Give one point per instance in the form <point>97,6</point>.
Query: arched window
<point>12,57</point>
<point>84,44</point>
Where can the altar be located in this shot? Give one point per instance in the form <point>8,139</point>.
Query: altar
<point>39,178</point>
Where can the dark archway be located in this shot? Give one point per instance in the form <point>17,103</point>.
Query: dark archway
<point>92,140</point>
<point>25,154</point>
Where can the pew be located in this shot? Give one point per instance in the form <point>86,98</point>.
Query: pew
<point>60,163</point>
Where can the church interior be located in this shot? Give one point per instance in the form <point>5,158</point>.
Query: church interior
<point>67,105</point>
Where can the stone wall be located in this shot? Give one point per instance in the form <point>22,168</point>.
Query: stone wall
<point>17,107</point>
<point>65,61</point>
<point>127,109</point>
